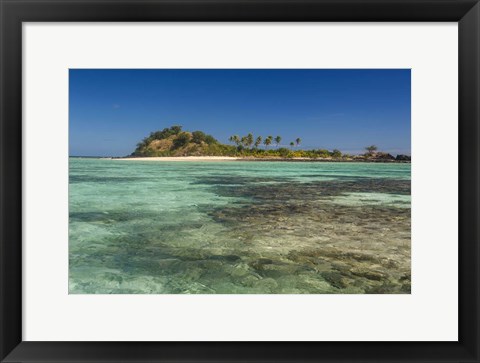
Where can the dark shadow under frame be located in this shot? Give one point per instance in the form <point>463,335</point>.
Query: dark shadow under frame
<point>14,12</point>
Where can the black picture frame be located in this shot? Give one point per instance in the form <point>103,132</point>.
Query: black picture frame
<point>14,12</point>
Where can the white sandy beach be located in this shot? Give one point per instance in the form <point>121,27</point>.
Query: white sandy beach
<point>183,158</point>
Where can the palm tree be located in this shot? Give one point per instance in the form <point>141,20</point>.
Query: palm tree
<point>298,141</point>
<point>278,139</point>
<point>267,141</point>
<point>292,144</point>
<point>249,139</point>
<point>235,139</point>
<point>258,141</point>
<point>244,141</point>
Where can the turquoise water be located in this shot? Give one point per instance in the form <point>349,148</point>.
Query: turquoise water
<point>149,227</point>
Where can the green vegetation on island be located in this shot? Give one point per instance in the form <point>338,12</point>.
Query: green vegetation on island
<point>173,141</point>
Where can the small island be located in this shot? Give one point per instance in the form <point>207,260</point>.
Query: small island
<point>173,143</point>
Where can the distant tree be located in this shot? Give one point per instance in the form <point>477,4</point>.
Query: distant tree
<point>176,129</point>
<point>235,139</point>
<point>165,133</point>
<point>278,139</point>
<point>198,137</point>
<point>258,141</point>
<point>371,149</point>
<point>292,144</point>
<point>283,151</point>
<point>267,141</point>
<point>244,141</point>
<point>209,139</point>
<point>142,144</point>
<point>298,141</point>
<point>249,139</point>
<point>323,153</point>
<point>181,140</point>
<point>158,135</point>
<point>336,153</point>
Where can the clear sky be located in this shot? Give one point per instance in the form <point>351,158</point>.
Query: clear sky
<point>113,109</point>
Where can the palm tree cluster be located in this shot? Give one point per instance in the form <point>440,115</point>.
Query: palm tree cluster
<point>249,140</point>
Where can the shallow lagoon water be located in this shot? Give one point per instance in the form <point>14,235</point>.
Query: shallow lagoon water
<point>238,227</point>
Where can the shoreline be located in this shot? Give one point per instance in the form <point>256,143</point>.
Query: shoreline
<point>180,158</point>
<point>232,158</point>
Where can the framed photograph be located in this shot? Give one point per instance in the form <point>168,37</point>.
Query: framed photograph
<point>239,181</point>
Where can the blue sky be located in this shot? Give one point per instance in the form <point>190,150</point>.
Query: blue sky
<point>110,110</point>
